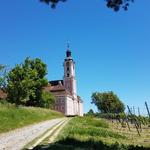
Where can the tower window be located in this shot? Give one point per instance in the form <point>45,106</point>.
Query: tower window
<point>67,68</point>
<point>67,74</point>
<point>67,64</point>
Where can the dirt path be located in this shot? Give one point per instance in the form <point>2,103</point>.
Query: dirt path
<point>17,139</point>
<point>49,136</point>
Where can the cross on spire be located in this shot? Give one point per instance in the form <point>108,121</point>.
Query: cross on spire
<point>68,45</point>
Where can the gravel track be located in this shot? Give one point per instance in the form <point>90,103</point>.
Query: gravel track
<point>18,138</point>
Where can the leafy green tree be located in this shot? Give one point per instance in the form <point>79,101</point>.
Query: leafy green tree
<point>113,4</point>
<point>39,81</point>
<point>107,102</point>
<point>20,85</point>
<point>25,82</point>
<point>47,100</point>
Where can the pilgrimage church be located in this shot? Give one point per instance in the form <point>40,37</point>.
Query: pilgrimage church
<point>65,91</point>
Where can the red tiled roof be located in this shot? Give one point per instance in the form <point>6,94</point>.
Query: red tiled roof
<point>57,88</point>
<point>54,88</point>
<point>47,88</point>
<point>3,95</point>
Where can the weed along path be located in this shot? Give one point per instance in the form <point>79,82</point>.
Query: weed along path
<point>17,139</point>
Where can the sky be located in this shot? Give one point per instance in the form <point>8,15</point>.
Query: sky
<point>111,49</point>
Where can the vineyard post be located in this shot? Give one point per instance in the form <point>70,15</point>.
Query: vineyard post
<point>135,123</point>
<point>133,110</point>
<point>127,122</point>
<point>139,111</point>
<point>147,109</point>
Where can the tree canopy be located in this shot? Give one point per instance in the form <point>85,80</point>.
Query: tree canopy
<point>2,76</point>
<point>90,112</point>
<point>107,102</point>
<point>25,82</point>
<point>113,4</point>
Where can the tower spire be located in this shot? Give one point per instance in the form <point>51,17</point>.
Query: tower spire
<point>68,52</point>
<point>69,73</point>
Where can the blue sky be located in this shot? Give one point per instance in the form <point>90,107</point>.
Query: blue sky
<point>111,50</point>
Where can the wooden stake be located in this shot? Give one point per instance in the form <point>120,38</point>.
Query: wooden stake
<point>135,123</point>
<point>139,111</point>
<point>147,109</point>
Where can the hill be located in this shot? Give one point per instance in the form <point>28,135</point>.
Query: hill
<point>12,117</point>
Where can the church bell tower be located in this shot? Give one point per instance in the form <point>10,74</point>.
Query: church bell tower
<point>69,74</point>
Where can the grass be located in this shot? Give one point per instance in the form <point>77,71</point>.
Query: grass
<point>92,134</point>
<point>89,128</point>
<point>12,117</point>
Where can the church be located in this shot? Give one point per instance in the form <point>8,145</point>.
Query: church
<point>65,91</point>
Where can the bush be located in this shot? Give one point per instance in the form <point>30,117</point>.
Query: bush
<point>47,100</point>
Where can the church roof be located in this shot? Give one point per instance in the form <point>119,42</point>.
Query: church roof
<point>56,87</point>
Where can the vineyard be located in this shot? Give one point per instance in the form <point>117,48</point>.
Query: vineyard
<point>96,133</point>
<point>105,131</point>
<point>129,120</point>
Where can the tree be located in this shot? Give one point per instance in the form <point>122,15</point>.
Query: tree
<point>3,75</point>
<point>39,81</point>
<point>113,4</point>
<point>107,102</point>
<point>90,112</point>
<point>19,86</point>
<point>25,82</point>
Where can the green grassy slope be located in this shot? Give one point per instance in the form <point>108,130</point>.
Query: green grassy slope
<point>12,117</point>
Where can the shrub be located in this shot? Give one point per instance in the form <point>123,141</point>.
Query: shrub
<point>47,100</point>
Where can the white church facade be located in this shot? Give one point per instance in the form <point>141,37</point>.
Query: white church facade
<point>65,91</point>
